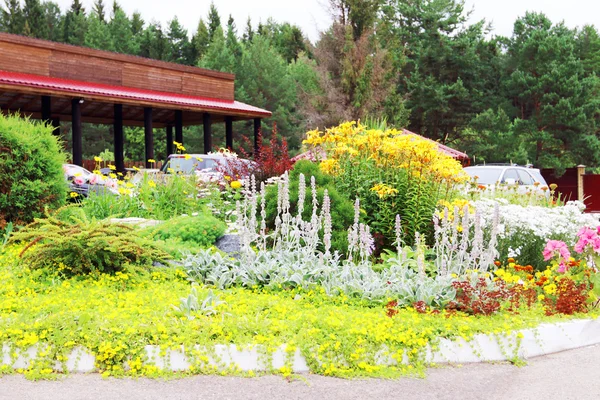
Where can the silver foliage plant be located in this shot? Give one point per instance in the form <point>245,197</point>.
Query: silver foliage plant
<point>294,255</point>
<point>462,244</point>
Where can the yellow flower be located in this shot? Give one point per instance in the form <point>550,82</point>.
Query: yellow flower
<point>236,184</point>
<point>550,289</point>
<point>97,159</point>
<point>113,176</point>
<point>151,160</point>
<point>187,156</point>
<point>384,190</point>
<point>73,194</point>
<point>152,184</point>
<point>112,167</point>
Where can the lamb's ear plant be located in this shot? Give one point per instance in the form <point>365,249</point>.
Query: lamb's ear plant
<point>293,255</point>
<point>82,246</point>
<point>190,304</point>
<point>6,235</point>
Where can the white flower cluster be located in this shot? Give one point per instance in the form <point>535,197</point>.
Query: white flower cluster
<point>543,222</point>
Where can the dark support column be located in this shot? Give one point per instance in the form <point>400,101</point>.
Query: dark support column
<point>257,132</point>
<point>56,126</point>
<point>169,140</point>
<point>179,126</point>
<point>76,130</point>
<point>229,133</point>
<point>148,135</point>
<point>207,125</point>
<point>46,108</point>
<point>118,138</point>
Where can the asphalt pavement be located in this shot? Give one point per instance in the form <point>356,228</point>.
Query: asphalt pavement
<point>573,374</point>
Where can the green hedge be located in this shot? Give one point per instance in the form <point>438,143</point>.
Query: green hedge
<point>31,174</point>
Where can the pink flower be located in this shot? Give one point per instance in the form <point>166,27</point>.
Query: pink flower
<point>587,236</point>
<point>93,179</point>
<point>556,247</point>
<point>79,180</point>
<point>562,267</point>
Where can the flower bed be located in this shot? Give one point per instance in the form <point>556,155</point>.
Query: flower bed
<point>116,317</point>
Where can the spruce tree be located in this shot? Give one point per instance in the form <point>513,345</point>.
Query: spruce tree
<point>54,20</point>
<point>35,19</point>
<point>75,24</point>
<point>120,31</point>
<point>12,19</point>
<point>248,32</point>
<point>200,42</point>
<point>179,44</point>
<point>99,10</point>
<point>98,35</point>
<point>214,21</point>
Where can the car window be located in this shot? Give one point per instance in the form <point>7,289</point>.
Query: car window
<point>485,176</point>
<point>525,178</point>
<point>538,177</point>
<point>510,174</point>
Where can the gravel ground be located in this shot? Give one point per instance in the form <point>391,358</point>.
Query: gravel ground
<point>573,374</point>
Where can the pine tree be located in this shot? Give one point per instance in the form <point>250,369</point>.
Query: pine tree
<point>214,21</point>
<point>264,81</point>
<point>555,102</point>
<point>12,19</point>
<point>448,71</point>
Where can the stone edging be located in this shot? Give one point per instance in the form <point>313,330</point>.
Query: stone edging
<point>527,343</point>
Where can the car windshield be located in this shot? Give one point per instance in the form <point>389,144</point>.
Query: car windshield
<point>187,166</point>
<point>71,170</point>
<point>485,176</point>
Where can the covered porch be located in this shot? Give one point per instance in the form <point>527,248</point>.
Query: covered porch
<point>107,88</point>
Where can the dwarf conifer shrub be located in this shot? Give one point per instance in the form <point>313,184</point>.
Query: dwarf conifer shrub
<point>202,230</point>
<point>31,174</point>
<point>80,246</point>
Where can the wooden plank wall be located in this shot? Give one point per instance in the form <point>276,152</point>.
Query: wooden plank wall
<point>32,56</point>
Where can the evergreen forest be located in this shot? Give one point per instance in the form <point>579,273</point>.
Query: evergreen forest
<point>423,65</point>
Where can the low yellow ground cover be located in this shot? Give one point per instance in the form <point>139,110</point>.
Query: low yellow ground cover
<point>114,317</point>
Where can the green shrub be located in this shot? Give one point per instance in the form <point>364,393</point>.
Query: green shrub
<point>342,208</point>
<point>202,230</point>
<point>81,246</point>
<point>31,174</point>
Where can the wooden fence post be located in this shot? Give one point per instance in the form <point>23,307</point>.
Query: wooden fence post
<point>580,189</point>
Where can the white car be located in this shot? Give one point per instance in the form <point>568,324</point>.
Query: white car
<point>510,174</point>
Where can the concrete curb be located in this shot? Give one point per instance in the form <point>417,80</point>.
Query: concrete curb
<point>527,343</point>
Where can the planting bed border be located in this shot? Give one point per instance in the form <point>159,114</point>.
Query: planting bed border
<point>544,339</point>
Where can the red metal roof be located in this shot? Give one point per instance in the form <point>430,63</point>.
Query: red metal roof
<point>82,88</point>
